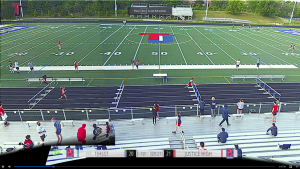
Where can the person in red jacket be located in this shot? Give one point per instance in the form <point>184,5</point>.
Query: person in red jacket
<point>81,134</point>
<point>137,64</point>
<point>76,66</point>
<point>3,115</point>
<point>28,144</point>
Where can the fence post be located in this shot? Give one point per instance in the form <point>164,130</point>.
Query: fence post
<point>87,114</point>
<point>279,107</point>
<point>42,115</point>
<point>259,107</point>
<point>131,113</point>
<point>219,110</point>
<point>20,115</point>
<point>64,114</point>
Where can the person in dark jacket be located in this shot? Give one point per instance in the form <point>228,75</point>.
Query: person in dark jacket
<point>213,104</point>
<point>273,130</point>
<point>154,112</point>
<point>239,151</point>
<point>202,104</point>
<point>222,136</point>
<point>225,115</point>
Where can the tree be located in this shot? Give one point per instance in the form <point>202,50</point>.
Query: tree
<point>49,13</point>
<point>268,8</point>
<point>77,7</point>
<point>42,13</point>
<point>235,6</point>
<point>35,13</point>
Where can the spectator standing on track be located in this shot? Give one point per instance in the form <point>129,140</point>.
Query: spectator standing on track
<point>240,105</point>
<point>59,47</point>
<point>225,115</point>
<point>213,104</point>
<point>3,115</point>
<point>137,64</point>
<point>11,68</point>
<point>41,131</point>
<point>273,130</point>
<point>178,123</point>
<point>157,109</point>
<point>201,104</point>
<point>63,94</point>
<point>81,134</point>
<point>30,64</point>
<point>28,143</point>
<point>76,66</point>
<point>222,136</point>
<point>258,63</point>
<point>274,111</point>
<point>154,113</point>
<point>57,126</point>
<point>17,66</point>
<point>202,146</point>
<point>132,63</point>
<point>239,151</point>
<point>238,62</point>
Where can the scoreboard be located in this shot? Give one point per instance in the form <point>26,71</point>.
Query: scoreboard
<point>73,153</point>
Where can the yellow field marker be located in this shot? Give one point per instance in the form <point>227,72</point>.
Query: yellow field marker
<point>90,82</point>
<point>226,79</point>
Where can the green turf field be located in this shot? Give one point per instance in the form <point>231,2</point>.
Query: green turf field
<point>211,48</point>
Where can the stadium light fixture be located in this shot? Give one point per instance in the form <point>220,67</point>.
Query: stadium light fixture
<point>15,112</point>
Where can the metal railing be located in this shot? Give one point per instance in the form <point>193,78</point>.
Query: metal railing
<point>39,94</point>
<point>269,88</point>
<point>138,112</point>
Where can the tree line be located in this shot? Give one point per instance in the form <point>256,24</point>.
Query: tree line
<point>96,8</point>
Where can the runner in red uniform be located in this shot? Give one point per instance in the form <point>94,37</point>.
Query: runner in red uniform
<point>63,93</point>
<point>137,64</point>
<point>157,109</point>
<point>274,111</point>
<point>243,26</point>
<point>76,66</point>
<point>192,81</point>
<point>11,68</point>
<point>3,115</point>
<point>59,45</point>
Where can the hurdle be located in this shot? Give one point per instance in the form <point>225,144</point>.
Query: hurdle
<point>273,93</point>
<point>119,94</point>
<point>40,95</point>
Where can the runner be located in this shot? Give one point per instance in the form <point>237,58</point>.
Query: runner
<point>45,79</point>
<point>76,66</point>
<point>243,26</point>
<point>63,93</point>
<point>11,68</point>
<point>137,64</point>
<point>192,81</point>
<point>257,28</point>
<point>258,63</point>
<point>3,115</point>
<point>232,26</point>
<point>238,62</point>
<point>291,47</point>
<point>271,26</point>
<point>59,45</point>
<point>57,126</point>
<point>17,66</point>
<point>178,123</point>
<point>30,64</point>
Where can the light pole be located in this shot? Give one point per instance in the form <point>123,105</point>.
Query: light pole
<point>116,8</point>
<point>206,9</point>
<point>293,12</point>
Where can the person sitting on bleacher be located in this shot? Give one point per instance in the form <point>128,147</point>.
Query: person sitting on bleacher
<point>222,136</point>
<point>239,151</point>
<point>273,130</point>
<point>28,143</point>
<point>202,146</point>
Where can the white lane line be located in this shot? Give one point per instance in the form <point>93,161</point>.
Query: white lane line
<point>199,47</point>
<point>178,46</point>
<point>117,47</point>
<point>215,44</point>
<point>139,44</point>
<point>56,46</point>
<point>256,47</point>
<point>99,45</point>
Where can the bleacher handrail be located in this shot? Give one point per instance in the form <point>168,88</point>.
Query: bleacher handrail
<point>269,86</point>
<point>40,91</point>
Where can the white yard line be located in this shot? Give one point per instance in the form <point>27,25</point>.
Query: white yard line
<point>99,44</point>
<point>178,46</point>
<point>256,47</point>
<point>117,47</point>
<point>215,44</point>
<point>198,46</point>
<point>56,45</point>
<point>139,44</point>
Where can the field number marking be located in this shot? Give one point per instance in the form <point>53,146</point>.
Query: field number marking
<point>207,53</point>
<point>162,53</point>
<point>18,54</point>
<point>108,53</point>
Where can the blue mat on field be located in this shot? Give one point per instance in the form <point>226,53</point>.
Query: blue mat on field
<point>288,31</point>
<point>15,28</point>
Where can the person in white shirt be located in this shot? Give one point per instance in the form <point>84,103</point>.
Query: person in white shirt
<point>238,62</point>
<point>41,131</point>
<point>240,105</point>
<point>17,66</point>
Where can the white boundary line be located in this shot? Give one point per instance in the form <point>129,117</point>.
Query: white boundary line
<point>56,45</point>
<point>98,45</point>
<point>215,44</point>
<point>198,46</point>
<point>268,44</point>
<point>118,46</point>
<point>139,43</point>
<point>178,46</point>
<point>257,47</point>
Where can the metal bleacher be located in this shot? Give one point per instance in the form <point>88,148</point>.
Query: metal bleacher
<point>229,20</point>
